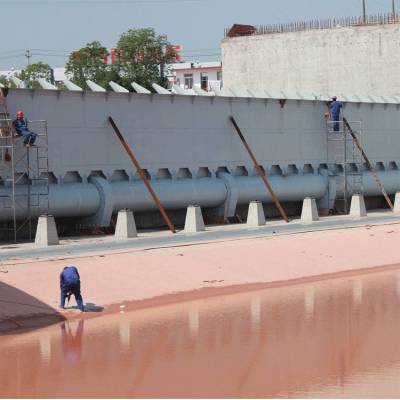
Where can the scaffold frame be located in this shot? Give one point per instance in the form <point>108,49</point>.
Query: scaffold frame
<point>22,168</point>
<point>345,159</point>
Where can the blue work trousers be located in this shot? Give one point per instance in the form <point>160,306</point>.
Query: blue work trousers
<point>336,125</point>
<point>29,137</point>
<point>75,289</point>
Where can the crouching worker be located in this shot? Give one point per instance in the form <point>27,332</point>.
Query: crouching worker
<point>21,128</point>
<point>70,283</point>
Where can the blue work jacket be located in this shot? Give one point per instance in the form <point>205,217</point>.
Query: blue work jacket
<point>20,126</point>
<point>69,275</point>
<point>335,108</point>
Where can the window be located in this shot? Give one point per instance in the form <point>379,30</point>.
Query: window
<point>188,81</point>
<point>204,81</point>
<point>219,75</point>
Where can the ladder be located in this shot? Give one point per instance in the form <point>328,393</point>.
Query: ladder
<point>25,176</point>
<point>346,161</point>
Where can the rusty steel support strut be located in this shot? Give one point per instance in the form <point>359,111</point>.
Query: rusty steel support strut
<point>369,165</point>
<point>142,175</point>
<point>259,170</point>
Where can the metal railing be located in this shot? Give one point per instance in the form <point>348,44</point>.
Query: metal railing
<point>377,19</point>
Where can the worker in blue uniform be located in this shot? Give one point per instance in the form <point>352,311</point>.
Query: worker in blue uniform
<point>21,128</point>
<point>70,283</point>
<point>335,107</point>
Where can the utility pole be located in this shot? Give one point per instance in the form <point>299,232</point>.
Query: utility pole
<point>364,12</point>
<point>394,9</point>
<point>28,55</point>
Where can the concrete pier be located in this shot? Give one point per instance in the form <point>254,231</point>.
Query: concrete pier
<point>194,220</point>
<point>397,203</point>
<point>309,212</point>
<point>126,227</point>
<point>255,216</point>
<point>46,231</point>
<point>357,208</point>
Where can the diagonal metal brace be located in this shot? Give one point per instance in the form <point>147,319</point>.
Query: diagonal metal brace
<point>369,165</point>
<point>142,175</point>
<point>259,170</point>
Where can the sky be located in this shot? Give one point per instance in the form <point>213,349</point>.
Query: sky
<point>51,29</point>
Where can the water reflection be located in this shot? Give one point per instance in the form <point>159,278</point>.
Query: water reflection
<point>193,313</point>
<point>71,341</point>
<point>309,301</point>
<point>45,348</point>
<point>398,284</point>
<point>124,332</point>
<point>357,292</point>
<point>255,309</point>
<point>336,338</point>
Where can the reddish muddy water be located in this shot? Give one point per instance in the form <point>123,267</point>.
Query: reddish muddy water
<point>333,338</point>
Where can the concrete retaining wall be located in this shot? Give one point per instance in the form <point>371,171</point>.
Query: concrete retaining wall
<point>359,60</point>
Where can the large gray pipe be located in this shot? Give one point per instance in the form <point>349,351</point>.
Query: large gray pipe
<point>67,200</point>
<point>289,188</point>
<point>389,179</point>
<point>173,194</point>
<point>85,199</point>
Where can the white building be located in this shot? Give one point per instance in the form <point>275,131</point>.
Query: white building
<point>206,75</point>
<point>59,74</point>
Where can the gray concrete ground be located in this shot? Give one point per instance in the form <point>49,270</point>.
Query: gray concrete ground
<point>157,239</point>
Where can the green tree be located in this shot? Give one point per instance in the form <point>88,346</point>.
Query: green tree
<point>34,71</point>
<point>88,63</point>
<point>141,55</point>
<point>6,82</point>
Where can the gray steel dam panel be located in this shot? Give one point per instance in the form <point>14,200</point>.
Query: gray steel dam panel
<point>183,137</point>
<point>194,132</point>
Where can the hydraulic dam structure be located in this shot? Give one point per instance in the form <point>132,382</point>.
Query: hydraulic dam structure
<point>188,148</point>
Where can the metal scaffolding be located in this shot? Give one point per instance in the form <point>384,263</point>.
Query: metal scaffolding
<point>345,158</point>
<point>22,168</point>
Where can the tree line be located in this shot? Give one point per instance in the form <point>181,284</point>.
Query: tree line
<point>139,55</point>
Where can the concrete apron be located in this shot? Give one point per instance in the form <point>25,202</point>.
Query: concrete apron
<point>162,239</point>
<point>235,258</point>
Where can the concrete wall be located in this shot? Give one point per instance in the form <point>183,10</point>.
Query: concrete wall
<point>345,60</point>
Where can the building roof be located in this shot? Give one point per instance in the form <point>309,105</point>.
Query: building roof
<point>238,30</point>
<point>241,30</point>
<point>195,65</point>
